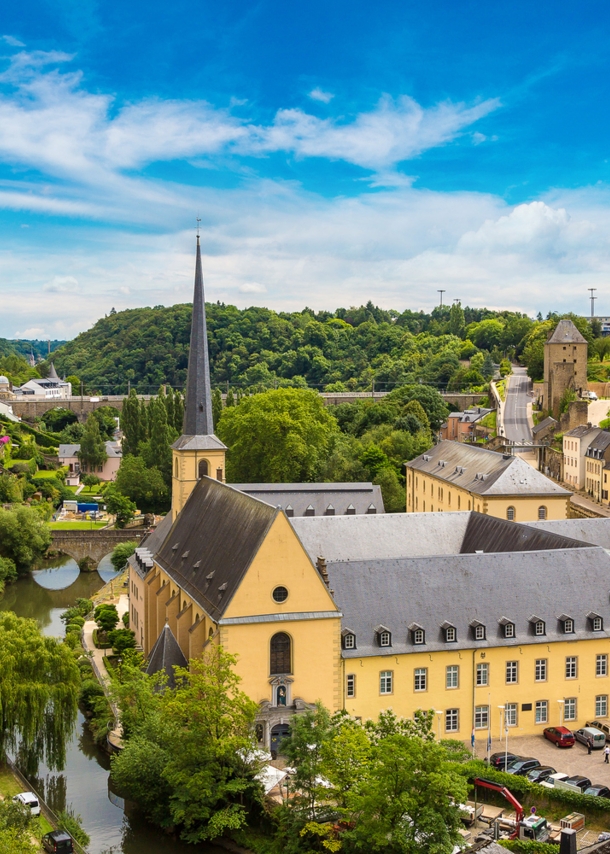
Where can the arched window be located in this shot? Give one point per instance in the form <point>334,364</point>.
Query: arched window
<point>542,513</point>
<point>280,659</point>
<point>202,469</point>
<point>510,514</point>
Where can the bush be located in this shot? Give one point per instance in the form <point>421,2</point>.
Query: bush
<point>121,553</point>
<point>126,619</point>
<point>122,639</point>
<point>73,824</point>
<point>77,621</point>
<point>72,629</point>
<point>89,691</point>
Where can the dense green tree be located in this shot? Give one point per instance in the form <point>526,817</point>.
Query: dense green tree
<point>39,684</point>
<point>185,762</point>
<point>119,506</point>
<point>130,423</point>
<point>178,413</point>
<point>92,452</point>
<point>486,334</point>
<point>277,436</point>
<point>457,324</point>
<point>58,418</point>
<point>24,537</point>
<point>143,484</point>
<point>158,452</point>
<point>216,406</point>
<point>431,401</point>
<point>121,553</point>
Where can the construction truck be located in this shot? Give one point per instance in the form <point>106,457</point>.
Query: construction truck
<point>533,827</point>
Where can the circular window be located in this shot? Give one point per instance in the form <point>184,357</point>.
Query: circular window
<point>280,594</point>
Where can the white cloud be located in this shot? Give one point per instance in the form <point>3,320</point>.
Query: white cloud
<point>12,41</point>
<point>318,94</point>
<point>61,285</point>
<point>252,288</point>
<point>33,332</point>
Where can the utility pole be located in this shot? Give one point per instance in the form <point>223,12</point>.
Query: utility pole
<point>441,292</point>
<point>592,298</point>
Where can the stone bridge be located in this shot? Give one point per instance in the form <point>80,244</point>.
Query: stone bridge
<point>89,547</point>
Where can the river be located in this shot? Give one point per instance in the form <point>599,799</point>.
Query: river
<point>83,783</point>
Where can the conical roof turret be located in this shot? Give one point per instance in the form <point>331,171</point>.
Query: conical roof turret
<point>198,405</point>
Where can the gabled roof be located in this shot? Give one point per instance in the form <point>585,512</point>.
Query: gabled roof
<point>546,422</point>
<point>484,472</point>
<point>566,333</point>
<point>298,497</point>
<point>213,541</point>
<point>599,444</point>
<point>583,430</point>
<point>113,449</point>
<point>593,531</point>
<point>165,655</point>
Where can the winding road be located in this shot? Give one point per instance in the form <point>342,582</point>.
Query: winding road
<point>518,395</point>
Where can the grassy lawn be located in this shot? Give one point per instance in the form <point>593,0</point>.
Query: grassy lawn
<point>501,387</point>
<point>76,526</point>
<point>44,473</point>
<point>489,421</point>
<point>10,786</point>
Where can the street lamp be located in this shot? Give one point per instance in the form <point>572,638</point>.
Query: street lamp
<point>503,711</point>
<point>439,715</point>
<point>561,708</point>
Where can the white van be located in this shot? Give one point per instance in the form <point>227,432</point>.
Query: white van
<point>28,799</point>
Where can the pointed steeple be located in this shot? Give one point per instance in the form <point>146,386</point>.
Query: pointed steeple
<point>52,372</point>
<point>198,405</point>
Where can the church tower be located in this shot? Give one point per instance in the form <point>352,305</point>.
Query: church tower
<point>198,452</point>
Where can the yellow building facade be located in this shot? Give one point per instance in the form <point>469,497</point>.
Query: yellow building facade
<point>456,477</point>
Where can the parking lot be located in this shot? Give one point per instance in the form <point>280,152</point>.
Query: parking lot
<point>569,760</point>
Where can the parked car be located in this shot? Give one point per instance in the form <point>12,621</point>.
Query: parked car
<point>58,842</point>
<point>559,735</point>
<point>589,395</point>
<point>537,775</point>
<point>595,735</point>
<point>580,781</point>
<point>496,760</point>
<point>522,765</point>
<point>553,779</point>
<point>28,799</point>
<point>604,726</point>
<point>598,791</point>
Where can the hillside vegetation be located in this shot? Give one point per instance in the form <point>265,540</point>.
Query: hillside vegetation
<point>343,350</point>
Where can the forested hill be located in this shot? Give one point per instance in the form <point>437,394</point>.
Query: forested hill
<point>345,349</point>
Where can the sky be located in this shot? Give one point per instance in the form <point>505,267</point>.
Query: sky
<point>334,153</point>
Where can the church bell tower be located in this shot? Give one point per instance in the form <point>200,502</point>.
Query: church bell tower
<point>198,452</point>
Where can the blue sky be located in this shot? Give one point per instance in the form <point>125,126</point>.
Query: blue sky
<point>335,153</point>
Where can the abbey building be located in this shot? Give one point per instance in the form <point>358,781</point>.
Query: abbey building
<point>322,595</point>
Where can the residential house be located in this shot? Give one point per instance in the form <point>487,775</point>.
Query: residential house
<point>597,457</point>
<point>575,445</point>
<point>69,456</point>
<point>452,476</point>
<point>49,387</point>
<point>459,426</point>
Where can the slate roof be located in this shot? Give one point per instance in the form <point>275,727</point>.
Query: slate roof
<point>469,416</point>
<point>113,449</point>
<point>484,472</point>
<point>566,333</point>
<point>543,425</point>
<point>430,591</point>
<point>152,542</point>
<point>583,430</point>
<point>198,443</point>
<point>52,372</point>
<point>593,531</point>
<point>598,445</point>
<point>213,541</point>
<point>198,403</point>
<point>165,655</point>
<point>319,497</point>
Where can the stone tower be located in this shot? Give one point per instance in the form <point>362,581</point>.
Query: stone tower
<point>198,452</point>
<point>565,365</point>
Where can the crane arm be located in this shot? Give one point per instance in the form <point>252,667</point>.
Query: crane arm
<point>502,790</point>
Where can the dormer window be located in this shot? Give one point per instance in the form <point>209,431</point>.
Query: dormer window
<point>309,511</point>
<point>478,630</point>
<point>450,632</point>
<point>371,509</point>
<point>567,623</point>
<point>597,623</point>
<point>538,625</point>
<point>418,635</point>
<point>289,511</point>
<point>349,639</point>
<point>351,510</point>
<point>508,627</point>
<point>330,510</point>
<point>384,636</point>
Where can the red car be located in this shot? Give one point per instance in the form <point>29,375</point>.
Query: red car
<point>559,735</point>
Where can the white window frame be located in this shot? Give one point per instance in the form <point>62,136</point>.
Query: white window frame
<point>450,634</point>
<point>481,717</point>
<point>539,628</point>
<point>385,639</point>
<point>452,676</point>
<point>568,627</point>
<point>540,670</point>
<point>350,685</point>
<point>542,711</point>
<point>509,630</point>
<point>452,720</point>
<point>510,714</point>
<point>479,632</point>
<point>482,669</point>
<point>386,682</point>
<point>510,514</point>
<point>569,709</point>
<point>420,679</point>
<point>601,665</point>
<point>542,513</point>
<point>571,667</point>
<point>512,672</point>
<point>349,641</point>
<point>601,706</point>
<point>419,636</point>
<point>598,624</point>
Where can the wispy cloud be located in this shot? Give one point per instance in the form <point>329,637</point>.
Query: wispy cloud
<point>318,94</point>
<point>12,41</point>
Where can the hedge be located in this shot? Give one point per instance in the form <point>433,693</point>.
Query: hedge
<point>522,788</point>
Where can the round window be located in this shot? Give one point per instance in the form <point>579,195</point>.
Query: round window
<point>280,594</point>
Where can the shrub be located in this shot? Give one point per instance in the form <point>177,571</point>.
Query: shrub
<point>77,621</point>
<point>73,824</point>
<point>89,690</point>
<point>72,629</point>
<point>121,639</point>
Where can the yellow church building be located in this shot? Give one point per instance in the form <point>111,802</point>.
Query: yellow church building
<point>457,612</point>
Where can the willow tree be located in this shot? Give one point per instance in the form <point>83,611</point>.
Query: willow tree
<point>39,686</point>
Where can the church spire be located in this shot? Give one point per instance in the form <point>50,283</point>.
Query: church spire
<point>198,406</point>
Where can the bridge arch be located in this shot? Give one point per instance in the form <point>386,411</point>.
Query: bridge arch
<point>89,547</point>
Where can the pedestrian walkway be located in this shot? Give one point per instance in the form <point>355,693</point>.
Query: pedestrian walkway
<point>588,504</point>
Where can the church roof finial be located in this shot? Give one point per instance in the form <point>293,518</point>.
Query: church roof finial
<point>198,405</point>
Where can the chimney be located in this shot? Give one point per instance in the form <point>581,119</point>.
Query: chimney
<point>567,844</point>
<point>321,565</point>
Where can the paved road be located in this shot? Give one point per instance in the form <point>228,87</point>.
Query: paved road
<point>516,425</point>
